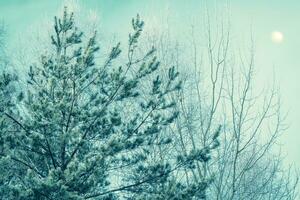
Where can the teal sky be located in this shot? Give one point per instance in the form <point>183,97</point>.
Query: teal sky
<point>260,16</point>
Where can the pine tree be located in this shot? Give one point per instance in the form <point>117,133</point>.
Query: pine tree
<point>7,105</point>
<point>8,100</point>
<point>86,130</point>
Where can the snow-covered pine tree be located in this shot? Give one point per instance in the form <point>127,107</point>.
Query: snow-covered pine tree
<point>7,142</point>
<point>8,99</point>
<point>86,130</point>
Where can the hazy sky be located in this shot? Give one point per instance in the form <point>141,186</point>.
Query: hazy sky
<point>261,16</point>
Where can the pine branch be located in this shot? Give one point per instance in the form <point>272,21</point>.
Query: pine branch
<point>17,122</point>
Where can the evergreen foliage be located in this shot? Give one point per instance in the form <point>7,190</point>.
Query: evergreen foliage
<point>86,131</point>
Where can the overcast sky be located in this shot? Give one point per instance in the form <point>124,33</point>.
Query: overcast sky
<point>263,17</point>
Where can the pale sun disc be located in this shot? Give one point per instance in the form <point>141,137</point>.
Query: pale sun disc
<point>277,37</point>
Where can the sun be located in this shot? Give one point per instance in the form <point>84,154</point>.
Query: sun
<point>277,36</point>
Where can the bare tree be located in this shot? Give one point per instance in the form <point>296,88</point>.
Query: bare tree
<point>220,93</point>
